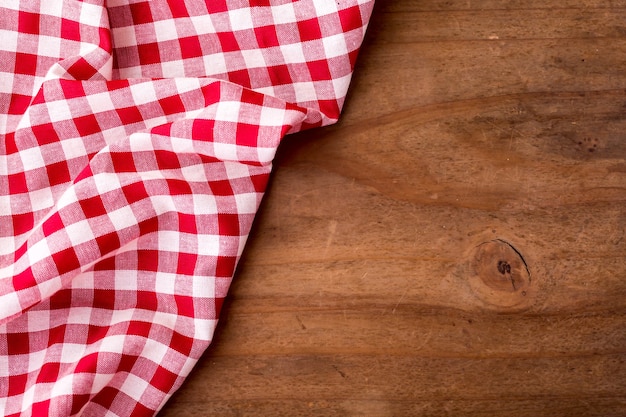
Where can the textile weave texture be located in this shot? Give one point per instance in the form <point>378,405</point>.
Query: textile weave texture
<point>137,139</point>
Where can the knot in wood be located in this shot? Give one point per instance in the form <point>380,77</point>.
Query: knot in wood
<point>500,275</point>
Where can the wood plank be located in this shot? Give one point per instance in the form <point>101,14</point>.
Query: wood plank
<point>456,244</point>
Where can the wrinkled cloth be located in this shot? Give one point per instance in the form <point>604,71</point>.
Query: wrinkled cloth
<point>137,139</point>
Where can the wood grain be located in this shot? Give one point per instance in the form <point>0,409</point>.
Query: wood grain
<point>455,246</point>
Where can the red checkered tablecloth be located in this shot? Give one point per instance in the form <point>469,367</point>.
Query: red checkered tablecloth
<point>136,142</point>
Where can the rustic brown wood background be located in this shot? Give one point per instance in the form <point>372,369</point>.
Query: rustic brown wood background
<point>456,245</point>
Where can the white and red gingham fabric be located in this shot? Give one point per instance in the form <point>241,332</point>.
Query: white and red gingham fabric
<point>136,142</point>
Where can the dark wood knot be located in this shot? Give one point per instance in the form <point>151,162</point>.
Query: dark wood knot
<point>500,274</point>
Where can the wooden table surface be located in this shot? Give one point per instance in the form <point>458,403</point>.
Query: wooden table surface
<point>456,245</point>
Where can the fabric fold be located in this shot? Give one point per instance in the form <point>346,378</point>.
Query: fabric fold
<point>137,142</point>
